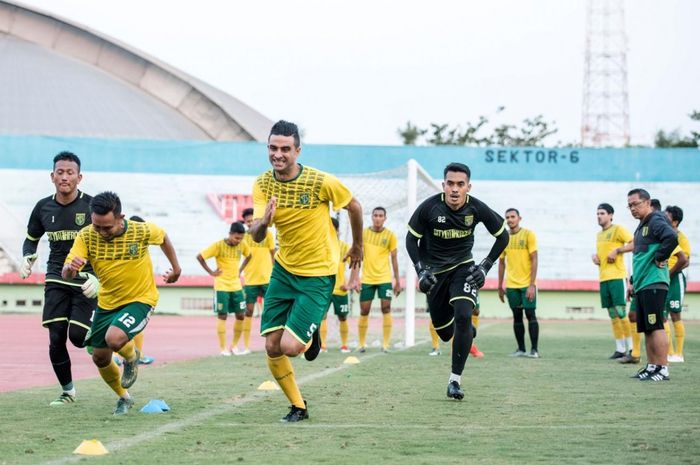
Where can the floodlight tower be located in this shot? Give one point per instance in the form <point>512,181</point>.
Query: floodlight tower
<point>605,120</point>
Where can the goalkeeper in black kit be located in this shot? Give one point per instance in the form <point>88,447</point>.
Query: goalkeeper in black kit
<point>439,241</point>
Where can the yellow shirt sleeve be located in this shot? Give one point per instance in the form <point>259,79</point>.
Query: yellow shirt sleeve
<point>259,202</point>
<point>157,234</point>
<point>245,249</point>
<point>210,251</point>
<point>393,242</point>
<point>531,243</point>
<point>79,249</point>
<point>623,235</point>
<point>334,192</point>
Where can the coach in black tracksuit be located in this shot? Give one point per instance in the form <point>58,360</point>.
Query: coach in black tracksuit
<point>654,241</point>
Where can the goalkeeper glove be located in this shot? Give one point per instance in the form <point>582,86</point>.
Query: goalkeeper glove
<point>477,273</point>
<point>25,267</point>
<point>91,286</point>
<point>426,279</point>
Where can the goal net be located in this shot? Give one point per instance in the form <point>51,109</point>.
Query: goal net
<point>399,191</point>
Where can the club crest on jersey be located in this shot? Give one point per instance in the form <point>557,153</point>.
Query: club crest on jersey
<point>80,219</point>
<point>469,220</point>
<point>133,249</point>
<point>384,242</point>
<point>651,319</point>
<point>304,198</point>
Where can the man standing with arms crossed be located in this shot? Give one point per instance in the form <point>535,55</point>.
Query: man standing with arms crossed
<point>610,247</point>
<point>118,252</point>
<point>379,245</point>
<point>439,242</point>
<point>654,241</point>
<point>256,274</point>
<point>68,303</point>
<point>520,259</point>
<point>296,199</point>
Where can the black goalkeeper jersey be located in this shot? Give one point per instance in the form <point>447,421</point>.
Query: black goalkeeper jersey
<point>61,224</point>
<point>446,235</point>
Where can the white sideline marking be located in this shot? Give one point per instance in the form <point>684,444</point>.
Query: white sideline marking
<point>212,412</point>
<point>224,408</point>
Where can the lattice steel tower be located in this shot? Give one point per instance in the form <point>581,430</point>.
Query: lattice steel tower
<point>605,120</point>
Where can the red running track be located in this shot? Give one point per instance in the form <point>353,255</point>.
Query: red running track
<point>24,354</point>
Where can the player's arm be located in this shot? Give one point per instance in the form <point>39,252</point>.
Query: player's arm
<point>667,237</point>
<point>397,278</point>
<point>354,209</point>
<point>244,263</point>
<point>35,229</point>
<point>205,265</point>
<point>173,274</point>
<point>263,214</point>
<point>76,259</point>
<point>416,228</point>
<point>501,275</point>
<point>628,247</point>
<point>681,263</point>
<point>531,290</point>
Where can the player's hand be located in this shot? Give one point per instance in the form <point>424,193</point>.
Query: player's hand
<point>596,260</point>
<point>630,292</point>
<point>397,287</point>
<point>216,272</point>
<point>661,264</point>
<point>76,264</point>
<point>25,266</point>
<point>426,278</point>
<point>91,286</point>
<point>343,287</point>
<point>476,311</point>
<point>270,210</point>
<point>171,275</point>
<point>612,256</point>
<point>355,256</point>
<point>530,293</point>
<point>477,273</point>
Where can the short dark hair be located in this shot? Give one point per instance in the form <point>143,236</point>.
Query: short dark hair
<point>380,209</point>
<point>247,212</point>
<point>287,129</point>
<point>458,168</point>
<point>106,202</point>
<point>655,204</point>
<point>676,213</point>
<point>67,156</point>
<point>336,223</point>
<point>607,207</point>
<point>136,218</point>
<point>237,227</point>
<point>643,194</point>
<point>512,210</point>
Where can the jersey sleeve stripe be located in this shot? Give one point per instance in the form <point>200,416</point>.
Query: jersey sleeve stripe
<point>410,229</point>
<point>500,231</point>
<point>31,238</point>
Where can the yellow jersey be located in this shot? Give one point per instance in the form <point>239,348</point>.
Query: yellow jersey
<point>308,244</point>
<point>259,268</point>
<point>608,240</point>
<point>228,260</point>
<point>376,256</point>
<point>518,262</point>
<point>123,265</point>
<point>342,266</point>
<point>684,245</point>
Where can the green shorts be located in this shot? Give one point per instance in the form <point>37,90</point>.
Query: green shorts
<point>296,303</point>
<point>676,293</point>
<point>612,293</point>
<point>131,318</point>
<point>226,302</point>
<point>253,292</point>
<point>340,305</point>
<point>517,299</point>
<point>384,291</point>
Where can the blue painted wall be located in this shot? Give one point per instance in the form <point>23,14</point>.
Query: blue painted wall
<point>250,158</point>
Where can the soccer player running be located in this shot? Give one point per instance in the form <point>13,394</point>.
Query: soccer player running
<point>680,259</point>
<point>611,244</point>
<point>339,299</point>
<point>68,303</point>
<point>228,292</point>
<point>439,242</point>
<point>654,241</point>
<point>379,246</point>
<point>520,259</point>
<point>117,249</point>
<point>256,274</point>
<point>296,199</point>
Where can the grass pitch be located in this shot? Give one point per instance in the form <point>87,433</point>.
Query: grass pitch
<point>571,406</point>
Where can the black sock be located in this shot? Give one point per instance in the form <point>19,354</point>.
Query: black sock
<point>519,328</point>
<point>533,328</point>
<point>58,353</point>
<point>463,334</point>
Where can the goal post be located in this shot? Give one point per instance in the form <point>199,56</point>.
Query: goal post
<point>399,190</point>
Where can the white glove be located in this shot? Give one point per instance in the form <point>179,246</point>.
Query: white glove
<point>91,286</point>
<point>25,268</point>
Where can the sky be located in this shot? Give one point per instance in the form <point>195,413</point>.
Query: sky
<point>353,72</point>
